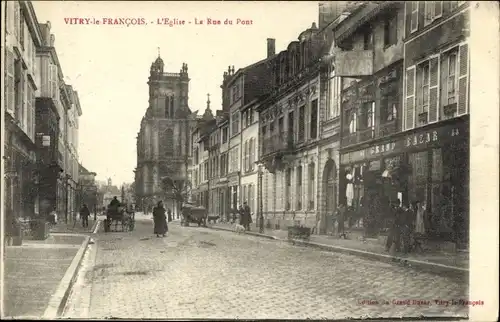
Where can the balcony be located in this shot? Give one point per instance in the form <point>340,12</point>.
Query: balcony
<point>358,137</point>
<point>388,128</point>
<point>277,143</point>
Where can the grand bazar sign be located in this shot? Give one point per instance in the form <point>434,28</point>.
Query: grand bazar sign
<point>416,140</point>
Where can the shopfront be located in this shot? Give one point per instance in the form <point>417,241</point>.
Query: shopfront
<point>429,165</point>
<point>233,184</point>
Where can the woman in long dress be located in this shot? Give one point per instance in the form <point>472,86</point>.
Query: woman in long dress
<point>419,222</point>
<point>160,220</point>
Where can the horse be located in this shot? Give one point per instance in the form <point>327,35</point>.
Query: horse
<point>119,215</point>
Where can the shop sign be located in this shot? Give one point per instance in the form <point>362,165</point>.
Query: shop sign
<point>440,135</point>
<point>421,138</point>
<point>382,148</point>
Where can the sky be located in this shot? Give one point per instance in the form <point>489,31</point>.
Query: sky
<point>108,64</point>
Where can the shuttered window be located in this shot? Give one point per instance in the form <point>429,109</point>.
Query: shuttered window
<point>311,186</point>
<point>433,90</point>
<point>410,98</point>
<point>314,119</point>
<point>16,19</point>
<point>299,188</point>
<point>252,153</point>
<point>302,123</point>
<point>451,84</point>
<point>463,83</point>
<point>414,16</point>
<point>9,82</point>
<point>288,187</point>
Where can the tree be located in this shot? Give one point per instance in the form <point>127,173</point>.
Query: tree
<point>179,188</point>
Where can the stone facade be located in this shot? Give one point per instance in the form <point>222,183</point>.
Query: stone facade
<point>163,139</point>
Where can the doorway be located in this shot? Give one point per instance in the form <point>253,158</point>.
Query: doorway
<point>329,196</point>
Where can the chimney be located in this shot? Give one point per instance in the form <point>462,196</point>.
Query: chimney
<point>271,47</point>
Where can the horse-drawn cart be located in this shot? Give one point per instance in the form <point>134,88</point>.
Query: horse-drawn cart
<point>119,215</point>
<point>194,214</point>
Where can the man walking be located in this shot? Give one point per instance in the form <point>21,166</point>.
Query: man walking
<point>247,215</point>
<point>84,214</point>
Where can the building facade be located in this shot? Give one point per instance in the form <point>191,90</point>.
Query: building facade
<point>290,135</point>
<point>40,157</point>
<point>405,113</point>
<point>49,117</point>
<point>87,190</point>
<point>162,143</point>
<point>436,114</point>
<point>371,101</point>
<point>21,38</point>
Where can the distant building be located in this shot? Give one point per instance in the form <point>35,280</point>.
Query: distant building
<point>108,192</point>
<point>163,139</point>
<point>88,192</point>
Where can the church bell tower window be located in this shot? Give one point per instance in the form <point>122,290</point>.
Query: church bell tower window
<point>171,98</point>
<point>167,107</point>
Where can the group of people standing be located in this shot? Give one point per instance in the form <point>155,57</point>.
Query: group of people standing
<point>407,225</point>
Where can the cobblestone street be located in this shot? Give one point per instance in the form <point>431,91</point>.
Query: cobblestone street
<point>198,272</point>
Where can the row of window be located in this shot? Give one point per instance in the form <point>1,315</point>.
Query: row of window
<point>307,124</point>
<point>19,94</point>
<point>437,88</point>
<point>291,62</point>
<point>432,10</point>
<point>292,191</point>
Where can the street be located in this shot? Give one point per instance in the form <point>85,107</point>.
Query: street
<point>196,272</point>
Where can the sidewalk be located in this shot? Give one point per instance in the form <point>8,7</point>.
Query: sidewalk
<point>75,228</point>
<point>39,273</point>
<point>457,262</point>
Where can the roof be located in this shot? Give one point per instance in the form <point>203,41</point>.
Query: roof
<point>244,69</point>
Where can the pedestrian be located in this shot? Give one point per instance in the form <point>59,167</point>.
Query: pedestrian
<point>84,214</point>
<point>53,216</point>
<point>341,213</point>
<point>160,220</point>
<point>407,220</point>
<point>247,216</point>
<point>394,237</point>
<point>169,214</point>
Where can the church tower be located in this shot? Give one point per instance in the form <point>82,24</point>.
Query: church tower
<point>163,140</point>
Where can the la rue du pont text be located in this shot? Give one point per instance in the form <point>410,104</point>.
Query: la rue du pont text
<point>207,21</point>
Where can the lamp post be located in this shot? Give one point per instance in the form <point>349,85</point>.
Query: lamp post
<point>66,177</point>
<point>261,208</point>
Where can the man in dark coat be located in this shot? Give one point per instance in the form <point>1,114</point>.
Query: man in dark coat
<point>160,220</point>
<point>114,203</point>
<point>341,216</point>
<point>84,214</point>
<point>395,228</point>
<point>247,216</point>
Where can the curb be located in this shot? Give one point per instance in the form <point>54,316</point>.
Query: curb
<point>95,227</point>
<point>434,268</point>
<point>60,297</point>
<point>93,230</point>
<point>430,267</point>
